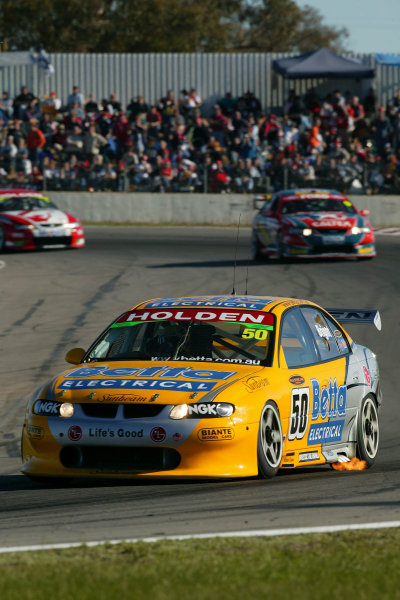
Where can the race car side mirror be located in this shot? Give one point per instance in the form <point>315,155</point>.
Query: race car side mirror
<point>364,212</point>
<point>75,356</point>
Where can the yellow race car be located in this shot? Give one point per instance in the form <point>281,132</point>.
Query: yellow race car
<point>210,386</point>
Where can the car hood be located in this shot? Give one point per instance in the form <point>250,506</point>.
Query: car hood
<point>170,382</point>
<point>38,217</point>
<point>324,220</point>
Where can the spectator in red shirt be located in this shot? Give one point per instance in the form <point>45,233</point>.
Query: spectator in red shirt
<point>167,175</point>
<point>34,141</point>
<point>119,130</point>
<point>270,130</point>
<point>220,179</point>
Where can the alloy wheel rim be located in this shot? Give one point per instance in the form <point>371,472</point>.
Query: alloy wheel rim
<point>370,428</point>
<point>271,436</point>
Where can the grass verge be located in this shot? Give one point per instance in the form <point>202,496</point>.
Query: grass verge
<point>362,565</point>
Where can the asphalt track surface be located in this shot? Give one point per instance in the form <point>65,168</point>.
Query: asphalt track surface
<point>55,300</point>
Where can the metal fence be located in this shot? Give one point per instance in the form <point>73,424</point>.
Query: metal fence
<point>211,74</point>
<point>366,180</point>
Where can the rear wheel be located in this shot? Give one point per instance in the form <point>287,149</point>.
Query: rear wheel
<point>368,431</point>
<point>270,441</point>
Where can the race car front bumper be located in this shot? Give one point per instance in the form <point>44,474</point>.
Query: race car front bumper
<point>153,447</point>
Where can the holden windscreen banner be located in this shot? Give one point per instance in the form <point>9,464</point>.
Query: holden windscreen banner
<point>260,319</point>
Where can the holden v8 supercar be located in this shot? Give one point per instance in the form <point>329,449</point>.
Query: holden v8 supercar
<point>212,386</point>
<point>29,220</point>
<point>310,223</point>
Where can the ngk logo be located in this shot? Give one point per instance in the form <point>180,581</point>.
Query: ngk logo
<point>43,407</point>
<point>204,409</point>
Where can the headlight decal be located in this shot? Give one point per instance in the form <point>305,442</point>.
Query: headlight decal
<point>202,410</point>
<point>50,408</point>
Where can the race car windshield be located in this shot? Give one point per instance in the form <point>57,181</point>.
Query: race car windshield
<point>302,205</point>
<point>24,203</point>
<point>188,334</point>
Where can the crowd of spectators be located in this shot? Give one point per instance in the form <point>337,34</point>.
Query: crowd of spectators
<point>337,141</point>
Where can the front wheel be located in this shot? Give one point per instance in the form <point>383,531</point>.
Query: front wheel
<point>270,441</point>
<point>255,248</point>
<point>368,431</point>
<point>2,239</point>
<point>280,246</point>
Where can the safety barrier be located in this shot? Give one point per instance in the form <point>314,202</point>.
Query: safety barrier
<point>193,209</point>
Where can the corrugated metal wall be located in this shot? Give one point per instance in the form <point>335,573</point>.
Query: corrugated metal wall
<point>153,74</point>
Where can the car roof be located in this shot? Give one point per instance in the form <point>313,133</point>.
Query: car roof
<point>21,192</point>
<point>259,303</point>
<point>301,192</point>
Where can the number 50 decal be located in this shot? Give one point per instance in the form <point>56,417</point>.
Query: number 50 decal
<point>299,413</point>
<point>258,334</point>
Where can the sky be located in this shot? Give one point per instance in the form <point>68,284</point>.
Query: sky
<point>373,25</point>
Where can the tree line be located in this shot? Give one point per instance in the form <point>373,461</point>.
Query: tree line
<point>165,26</point>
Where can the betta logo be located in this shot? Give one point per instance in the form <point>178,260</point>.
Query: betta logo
<point>328,402</point>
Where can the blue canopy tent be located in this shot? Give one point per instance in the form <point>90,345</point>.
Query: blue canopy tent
<point>322,63</point>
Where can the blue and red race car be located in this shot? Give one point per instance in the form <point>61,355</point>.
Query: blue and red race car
<point>308,223</point>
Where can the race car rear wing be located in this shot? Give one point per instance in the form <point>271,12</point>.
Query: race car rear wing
<point>355,315</point>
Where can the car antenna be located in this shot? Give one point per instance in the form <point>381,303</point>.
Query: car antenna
<point>234,264</point>
<point>247,278</point>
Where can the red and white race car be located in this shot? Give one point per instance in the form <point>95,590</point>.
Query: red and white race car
<point>29,220</point>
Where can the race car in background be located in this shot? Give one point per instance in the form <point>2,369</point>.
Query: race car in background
<point>211,386</point>
<point>29,220</point>
<point>310,223</point>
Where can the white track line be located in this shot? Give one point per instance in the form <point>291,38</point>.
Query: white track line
<point>387,231</point>
<point>2,264</point>
<point>238,534</point>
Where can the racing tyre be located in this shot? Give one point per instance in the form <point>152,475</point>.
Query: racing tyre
<point>270,441</point>
<point>279,247</point>
<point>255,248</point>
<point>368,431</point>
<point>2,239</point>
